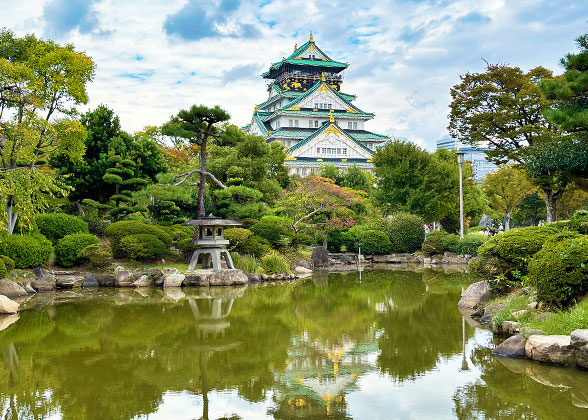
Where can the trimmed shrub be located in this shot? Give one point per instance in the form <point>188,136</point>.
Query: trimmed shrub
<point>143,246</point>
<point>302,238</point>
<point>186,248</point>
<point>335,240</point>
<point>580,214</point>
<point>55,226</point>
<point>119,230</point>
<point>272,228</point>
<point>99,255</point>
<point>273,262</point>
<point>3,270</point>
<point>244,262</point>
<point>8,263</point>
<point>256,246</point>
<point>467,246</point>
<point>374,242</point>
<point>351,238</point>
<point>69,248</point>
<point>406,232</point>
<point>434,243</point>
<point>560,270</point>
<point>27,251</point>
<point>237,238</point>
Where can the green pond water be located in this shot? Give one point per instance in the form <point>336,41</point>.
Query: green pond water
<point>389,345</point>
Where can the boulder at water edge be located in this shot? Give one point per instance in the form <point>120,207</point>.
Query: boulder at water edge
<point>11,289</point>
<point>7,320</point>
<point>556,349</point>
<point>511,347</point>
<point>123,278</point>
<point>69,281</point>
<point>579,339</point>
<point>174,280</point>
<point>320,257</point>
<point>474,295</point>
<point>7,306</point>
<point>227,278</point>
<point>90,281</point>
<point>143,281</point>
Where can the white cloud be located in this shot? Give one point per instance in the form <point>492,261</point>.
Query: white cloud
<point>404,55</point>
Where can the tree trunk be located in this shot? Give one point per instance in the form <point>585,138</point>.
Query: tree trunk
<point>551,199</point>
<point>447,225</point>
<point>12,215</point>
<point>507,221</point>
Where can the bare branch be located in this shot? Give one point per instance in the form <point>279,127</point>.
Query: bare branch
<point>184,177</point>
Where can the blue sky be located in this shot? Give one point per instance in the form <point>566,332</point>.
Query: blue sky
<point>157,57</point>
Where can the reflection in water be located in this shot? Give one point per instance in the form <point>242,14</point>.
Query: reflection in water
<point>391,346</point>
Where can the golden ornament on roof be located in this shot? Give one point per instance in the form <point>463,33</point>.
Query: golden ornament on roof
<point>311,37</point>
<point>331,117</point>
<point>323,77</point>
<point>295,47</point>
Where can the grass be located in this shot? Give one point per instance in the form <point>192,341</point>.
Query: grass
<point>245,262</point>
<point>562,322</point>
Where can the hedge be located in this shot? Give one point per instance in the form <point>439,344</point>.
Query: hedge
<point>434,243</point>
<point>467,246</point>
<point>374,242</point>
<point>3,270</point>
<point>68,250</point>
<point>272,228</point>
<point>117,231</point>
<point>99,255</point>
<point>143,246</point>
<point>406,232</point>
<point>55,226</point>
<point>8,263</point>
<point>237,237</point>
<point>27,251</point>
<point>560,270</point>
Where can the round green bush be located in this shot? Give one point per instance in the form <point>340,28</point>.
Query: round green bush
<point>256,246</point>
<point>143,246</point>
<point>99,255</point>
<point>560,270</point>
<point>55,226</point>
<point>470,243</point>
<point>8,263</point>
<point>27,251</point>
<point>433,245</point>
<point>272,228</point>
<point>69,248</point>
<point>237,238</point>
<point>117,231</point>
<point>406,232</point>
<point>335,240</point>
<point>273,263</point>
<point>3,270</point>
<point>374,242</point>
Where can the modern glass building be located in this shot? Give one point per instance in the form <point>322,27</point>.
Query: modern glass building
<point>477,156</point>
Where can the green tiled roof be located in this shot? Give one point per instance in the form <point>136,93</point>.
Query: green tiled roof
<point>321,114</point>
<point>313,89</point>
<point>323,128</point>
<point>260,123</point>
<point>320,63</point>
<point>327,162</point>
<point>297,52</point>
<point>367,135</point>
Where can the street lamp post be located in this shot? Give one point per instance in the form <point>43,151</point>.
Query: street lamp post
<point>460,157</point>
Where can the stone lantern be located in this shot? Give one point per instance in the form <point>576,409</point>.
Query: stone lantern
<point>211,242</point>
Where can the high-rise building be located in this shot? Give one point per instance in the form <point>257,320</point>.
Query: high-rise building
<point>475,155</point>
<point>307,112</point>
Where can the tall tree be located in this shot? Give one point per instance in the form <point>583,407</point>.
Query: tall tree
<point>198,126</point>
<point>569,112</point>
<point>505,189</point>
<point>40,84</point>
<point>531,207</point>
<point>503,108</point>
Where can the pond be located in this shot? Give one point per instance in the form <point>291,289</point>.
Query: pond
<point>388,345</point>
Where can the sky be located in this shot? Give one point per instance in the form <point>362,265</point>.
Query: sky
<point>156,57</point>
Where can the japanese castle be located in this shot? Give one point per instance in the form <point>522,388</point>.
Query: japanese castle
<point>307,112</point>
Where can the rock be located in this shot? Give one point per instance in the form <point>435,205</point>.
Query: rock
<point>490,310</point>
<point>156,275</point>
<point>8,306</point>
<point>427,260</point>
<point>7,320</point>
<point>544,316</point>
<point>506,328</point>
<point>45,284</point>
<point>253,278</point>
<point>519,314</point>
<point>265,277</point>
<point>197,278</point>
<point>29,289</point>
<point>173,280</point>
<point>533,305</point>
<point>303,270</point>
<point>579,340</point>
<point>474,295</point>
<point>526,332</point>
<point>556,349</point>
<point>511,347</point>
<point>143,281</point>
<point>168,271</point>
<point>380,259</point>
<point>303,263</point>
<point>227,278</point>
<point>320,257</point>
<point>123,278</point>
<point>105,280</point>
<point>90,281</point>
<point>10,288</point>
<point>69,281</point>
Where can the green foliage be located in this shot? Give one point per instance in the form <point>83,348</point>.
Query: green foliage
<point>433,245</point>
<point>117,231</point>
<point>143,246</point>
<point>8,263</point>
<point>238,238</point>
<point>406,232</point>
<point>244,262</point>
<point>27,251</point>
<point>55,226</point>
<point>335,240</point>
<point>273,229</point>
<point>273,263</point>
<point>580,214</point>
<point>69,248</point>
<point>256,246</point>
<point>467,246</point>
<point>99,255</point>
<point>3,269</point>
<point>374,242</point>
<point>560,270</point>
<point>239,202</point>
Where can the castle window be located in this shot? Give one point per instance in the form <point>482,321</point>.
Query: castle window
<point>329,106</point>
<point>291,123</point>
<point>310,123</point>
<point>338,151</point>
<point>318,150</point>
<point>316,123</point>
<point>295,123</point>
<point>316,105</point>
<point>355,126</point>
<point>345,151</point>
<point>349,125</point>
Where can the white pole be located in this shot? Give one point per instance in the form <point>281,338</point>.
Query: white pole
<point>460,156</point>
